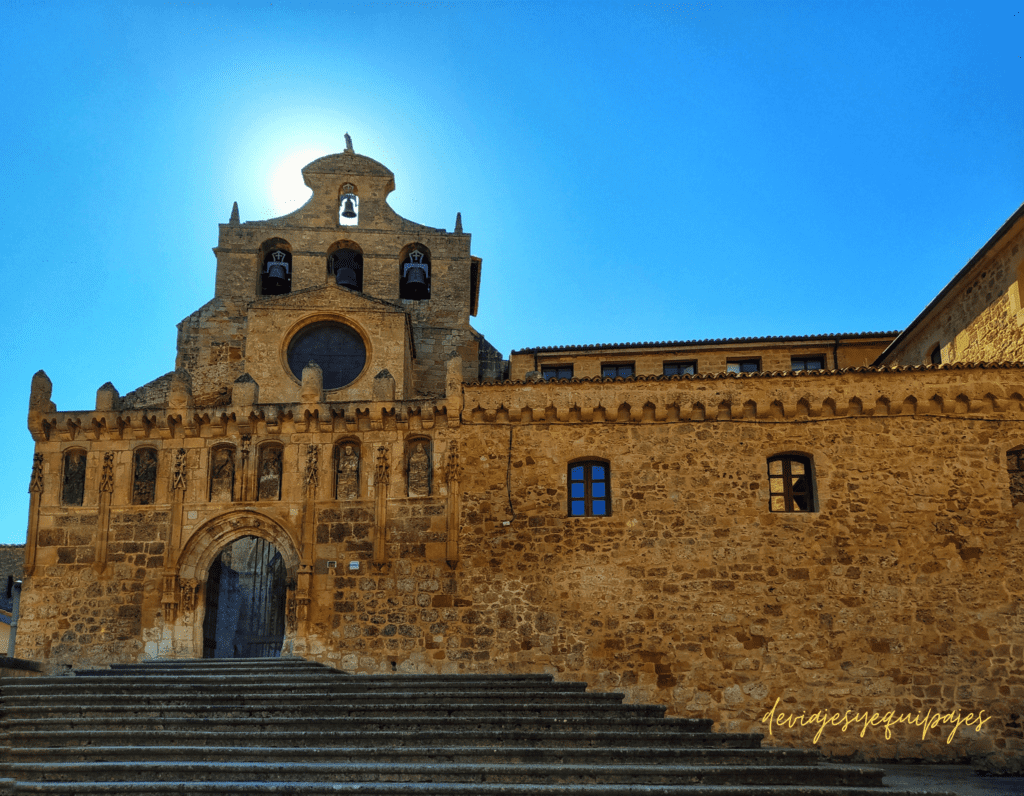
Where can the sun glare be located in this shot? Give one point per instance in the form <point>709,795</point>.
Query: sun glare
<point>287,190</point>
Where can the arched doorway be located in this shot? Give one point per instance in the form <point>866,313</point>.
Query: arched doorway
<point>246,591</point>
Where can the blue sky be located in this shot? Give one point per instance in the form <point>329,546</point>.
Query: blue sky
<point>629,171</point>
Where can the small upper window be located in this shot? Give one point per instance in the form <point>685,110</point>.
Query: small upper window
<point>936,356</point>
<point>556,372</point>
<point>680,368</point>
<point>617,370</point>
<point>743,366</point>
<point>808,363</point>
<point>791,483</point>
<point>588,490</point>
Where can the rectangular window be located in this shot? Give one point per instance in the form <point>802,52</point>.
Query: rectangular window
<point>556,372</point>
<point>588,490</point>
<point>617,370</point>
<point>790,484</point>
<point>808,363</point>
<point>744,366</point>
<point>680,368</point>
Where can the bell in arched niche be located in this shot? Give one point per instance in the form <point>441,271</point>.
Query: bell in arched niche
<point>276,277</point>
<point>347,267</point>
<point>348,205</point>
<point>415,282</point>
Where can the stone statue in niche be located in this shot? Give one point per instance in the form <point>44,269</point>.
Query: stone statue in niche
<point>419,470</point>
<point>347,484</point>
<point>270,473</point>
<point>73,488</point>
<point>144,481</point>
<point>222,475</point>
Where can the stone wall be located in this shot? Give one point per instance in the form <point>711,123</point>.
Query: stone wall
<point>900,591</point>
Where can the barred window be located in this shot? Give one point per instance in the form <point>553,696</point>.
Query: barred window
<point>556,372</point>
<point>589,489</point>
<point>791,483</point>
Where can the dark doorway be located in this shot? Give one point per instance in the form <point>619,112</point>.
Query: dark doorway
<point>245,601</point>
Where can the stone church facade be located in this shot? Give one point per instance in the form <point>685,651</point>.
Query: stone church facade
<point>834,522</point>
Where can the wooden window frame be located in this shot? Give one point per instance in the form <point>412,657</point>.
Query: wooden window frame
<point>585,501</point>
<point>790,494</point>
<point>683,363</point>
<point>549,372</point>
<point>739,363</point>
<point>805,358</point>
<point>617,366</point>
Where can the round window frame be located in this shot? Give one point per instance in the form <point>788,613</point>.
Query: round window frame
<point>311,320</point>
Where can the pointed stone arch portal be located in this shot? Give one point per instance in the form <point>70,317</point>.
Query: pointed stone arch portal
<point>241,570</point>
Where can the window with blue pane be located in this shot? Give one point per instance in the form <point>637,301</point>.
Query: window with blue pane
<point>589,489</point>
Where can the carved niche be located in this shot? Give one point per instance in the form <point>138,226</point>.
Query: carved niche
<point>419,469</point>
<point>144,477</point>
<point>73,485</point>
<point>270,466</point>
<point>222,474</point>
<point>347,477</point>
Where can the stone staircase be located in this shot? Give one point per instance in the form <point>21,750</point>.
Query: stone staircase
<point>289,726</point>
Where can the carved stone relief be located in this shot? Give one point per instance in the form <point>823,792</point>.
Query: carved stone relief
<point>419,469</point>
<point>35,484</point>
<point>270,473</point>
<point>347,481</point>
<point>144,477</point>
<point>73,488</point>
<point>222,475</point>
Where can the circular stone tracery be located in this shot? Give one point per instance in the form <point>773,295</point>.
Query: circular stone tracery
<point>336,347</point>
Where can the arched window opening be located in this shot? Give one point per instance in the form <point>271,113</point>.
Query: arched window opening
<point>222,474</point>
<point>790,483</point>
<point>1015,469</point>
<point>348,205</point>
<point>589,489</point>
<point>346,470</point>
<point>269,472</point>
<point>418,469</point>
<point>73,478</point>
<point>276,274</point>
<point>414,281</point>
<point>345,264</point>
<point>144,477</point>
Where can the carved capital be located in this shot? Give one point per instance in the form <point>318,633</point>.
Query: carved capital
<point>35,484</point>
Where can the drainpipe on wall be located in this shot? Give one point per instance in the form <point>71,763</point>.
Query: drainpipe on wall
<point>16,594</point>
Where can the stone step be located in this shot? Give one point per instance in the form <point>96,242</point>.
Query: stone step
<point>315,749</point>
<point>328,680</point>
<point>689,731</point>
<point>290,691</point>
<point>305,788</point>
<point>518,773</point>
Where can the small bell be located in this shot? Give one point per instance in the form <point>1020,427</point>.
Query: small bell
<point>349,208</point>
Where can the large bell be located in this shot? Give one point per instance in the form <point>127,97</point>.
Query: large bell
<point>346,277</point>
<point>416,282</point>
<point>348,209</point>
